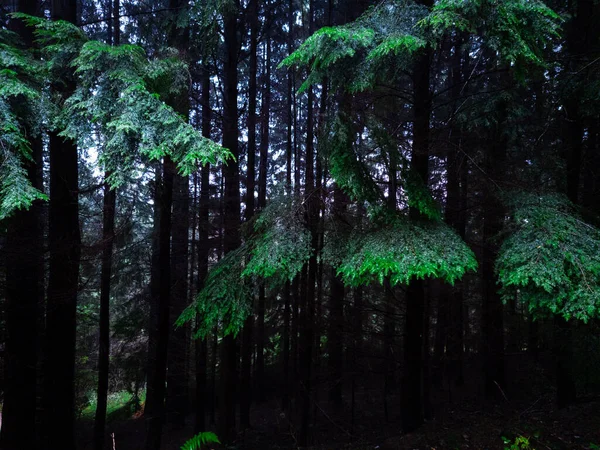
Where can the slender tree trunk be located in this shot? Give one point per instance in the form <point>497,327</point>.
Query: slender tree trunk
<point>306,349</point>
<point>262,202</point>
<point>178,343</point>
<point>580,40</point>
<point>492,325</point>
<point>412,380</point>
<point>155,410</point>
<point>202,397</point>
<point>288,292</point>
<point>108,231</point>
<point>228,375</point>
<point>336,316</point>
<point>178,346</point>
<point>247,333</point>
<point>104,345</point>
<point>24,295</point>
<point>455,217</point>
<point>286,348</point>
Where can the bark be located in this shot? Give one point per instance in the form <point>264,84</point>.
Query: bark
<point>108,235</point>
<point>492,326</point>
<point>178,343</point>
<point>580,40</point>
<point>412,400</point>
<point>455,217</point>
<point>24,296</point>
<point>231,237</point>
<point>65,251</point>
<point>336,316</point>
<point>247,333</point>
<point>262,202</point>
<point>155,410</point>
<point>308,310</point>
<point>202,397</point>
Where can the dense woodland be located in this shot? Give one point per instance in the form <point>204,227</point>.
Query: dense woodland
<point>299,223</point>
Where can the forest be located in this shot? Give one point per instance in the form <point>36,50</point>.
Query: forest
<point>286,224</point>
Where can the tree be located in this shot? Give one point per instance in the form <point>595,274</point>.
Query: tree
<point>231,240</point>
<point>63,280</point>
<point>108,236</point>
<point>25,267</point>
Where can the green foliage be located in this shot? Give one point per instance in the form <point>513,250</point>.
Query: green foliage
<point>419,196</point>
<point>345,164</point>
<point>120,405</point>
<point>276,251</point>
<point>224,298</point>
<point>551,259</point>
<point>121,92</point>
<point>19,101</point>
<point>400,250</point>
<point>200,440</point>
<point>281,244</point>
<point>517,30</point>
<point>520,443</point>
<point>355,56</point>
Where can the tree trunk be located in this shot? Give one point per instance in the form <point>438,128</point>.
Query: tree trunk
<point>24,295</point>
<point>248,331</point>
<point>110,198</point>
<point>155,410</point>
<point>492,326</point>
<point>455,217</point>
<point>412,400</point>
<point>262,203</point>
<point>108,230</point>
<point>178,346</point>
<point>202,397</point>
<point>178,343</point>
<point>231,237</point>
<point>65,252</point>
<point>336,315</point>
<point>306,349</point>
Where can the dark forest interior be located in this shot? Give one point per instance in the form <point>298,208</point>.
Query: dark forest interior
<point>281,224</point>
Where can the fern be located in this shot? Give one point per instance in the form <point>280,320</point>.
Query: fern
<point>200,440</point>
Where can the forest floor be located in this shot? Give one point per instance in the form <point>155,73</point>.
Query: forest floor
<point>463,420</point>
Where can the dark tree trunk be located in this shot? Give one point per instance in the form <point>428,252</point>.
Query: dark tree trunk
<point>492,325</point>
<point>286,348</point>
<point>455,217</point>
<point>108,230</point>
<point>248,331</point>
<point>412,401</point>
<point>155,410</point>
<point>108,235</point>
<point>178,344</point>
<point>24,295</point>
<point>580,39</point>
<point>65,251</point>
<point>202,397</point>
<point>231,237</point>
<point>336,314</point>
<point>306,349</point>
<point>262,202</point>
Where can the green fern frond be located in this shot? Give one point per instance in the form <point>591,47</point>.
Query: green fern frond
<point>199,441</point>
